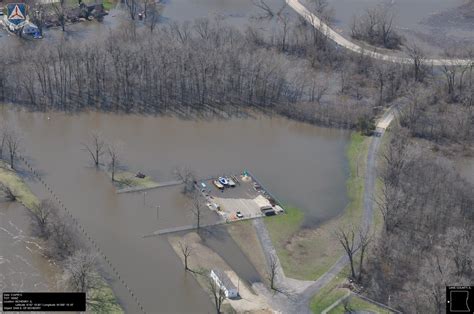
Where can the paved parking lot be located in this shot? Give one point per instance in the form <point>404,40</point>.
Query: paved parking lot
<point>245,197</point>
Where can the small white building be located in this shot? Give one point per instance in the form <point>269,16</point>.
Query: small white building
<point>224,282</point>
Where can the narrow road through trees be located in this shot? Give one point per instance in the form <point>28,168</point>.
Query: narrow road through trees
<point>343,42</point>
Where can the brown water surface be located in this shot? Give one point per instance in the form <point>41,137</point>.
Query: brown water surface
<point>303,165</point>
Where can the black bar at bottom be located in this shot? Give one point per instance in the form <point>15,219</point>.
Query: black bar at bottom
<point>44,301</point>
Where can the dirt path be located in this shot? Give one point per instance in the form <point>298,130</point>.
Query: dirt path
<point>343,42</point>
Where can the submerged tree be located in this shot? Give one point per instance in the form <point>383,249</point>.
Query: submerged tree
<point>96,147</point>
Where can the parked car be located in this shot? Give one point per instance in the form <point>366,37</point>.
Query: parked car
<point>230,182</point>
<point>218,184</point>
<point>239,215</point>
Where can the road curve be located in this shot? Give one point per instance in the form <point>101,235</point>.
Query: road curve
<point>343,42</point>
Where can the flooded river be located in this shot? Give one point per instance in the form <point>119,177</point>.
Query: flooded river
<point>301,164</point>
<point>23,265</point>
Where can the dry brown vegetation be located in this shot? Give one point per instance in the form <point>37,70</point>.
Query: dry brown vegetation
<point>428,218</point>
<point>205,68</point>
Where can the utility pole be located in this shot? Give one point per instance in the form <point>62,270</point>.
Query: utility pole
<point>144,195</point>
<point>157,211</point>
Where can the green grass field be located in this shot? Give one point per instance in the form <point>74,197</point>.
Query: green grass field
<point>355,303</point>
<point>22,192</point>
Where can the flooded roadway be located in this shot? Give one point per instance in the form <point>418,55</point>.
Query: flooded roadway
<point>302,164</point>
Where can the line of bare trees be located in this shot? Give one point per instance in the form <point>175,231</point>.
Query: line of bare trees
<point>63,244</point>
<point>428,216</point>
<point>97,146</point>
<point>10,144</point>
<point>376,27</point>
<point>206,67</point>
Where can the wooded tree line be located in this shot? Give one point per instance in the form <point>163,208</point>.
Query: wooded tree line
<point>202,67</point>
<point>442,110</point>
<point>208,67</point>
<point>426,241</point>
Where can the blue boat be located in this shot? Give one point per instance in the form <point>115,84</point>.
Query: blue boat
<point>223,181</point>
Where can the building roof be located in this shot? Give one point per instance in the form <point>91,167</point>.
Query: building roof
<point>224,279</point>
<point>262,202</point>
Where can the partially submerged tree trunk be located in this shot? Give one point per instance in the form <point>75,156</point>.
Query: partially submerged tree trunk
<point>96,147</point>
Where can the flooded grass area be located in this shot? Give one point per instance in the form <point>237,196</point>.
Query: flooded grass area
<point>17,186</point>
<point>434,25</point>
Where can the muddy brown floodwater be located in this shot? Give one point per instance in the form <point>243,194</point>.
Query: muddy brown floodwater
<point>432,24</point>
<point>303,165</point>
<point>23,263</point>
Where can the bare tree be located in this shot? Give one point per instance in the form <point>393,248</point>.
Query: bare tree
<point>217,293</point>
<point>381,74</point>
<point>186,250</point>
<point>196,208</point>
<point>376,27</point>
<point>417,56</point>
<point>13,144</point>
<point>152,16</point>
<point>267,12</point>
<point>8,193</point>
<point>96,147</point>
<point>60,12</point>
<point>41,215</point>
<point>347,238</point>
<point>364,240</point>
<point>80,271</point>
<point>132,6</point>
<point>322,9</point>
<point>113,151</point>
<point>273,270</point>
<point>3,137</point>
<point>63,238</point>
<point>187,176</point>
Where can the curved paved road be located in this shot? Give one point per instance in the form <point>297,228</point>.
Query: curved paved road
<point>343,42</point>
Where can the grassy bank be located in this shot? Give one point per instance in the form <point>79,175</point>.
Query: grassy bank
<point>23,194</point>
<point>330,293</point>
<point>126,179</point>
<point>357,304</point>
<point>306,254</point>
<point>17,186</point>
<point>335,290</point>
